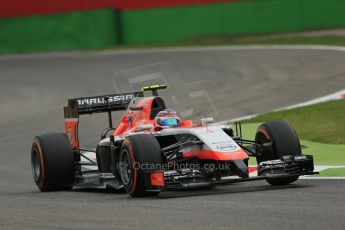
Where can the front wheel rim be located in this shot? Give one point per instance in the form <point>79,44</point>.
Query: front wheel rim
<point>125,168</point>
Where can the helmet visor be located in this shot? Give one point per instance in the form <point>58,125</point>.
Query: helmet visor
<point>169,122</point>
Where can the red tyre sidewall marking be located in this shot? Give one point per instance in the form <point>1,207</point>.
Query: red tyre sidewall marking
<point>261,130</point>
<point>131,154</point>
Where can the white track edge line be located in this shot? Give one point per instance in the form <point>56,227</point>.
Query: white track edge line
<point>81,54</point>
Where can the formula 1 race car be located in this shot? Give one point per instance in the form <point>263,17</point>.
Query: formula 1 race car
<point>152,150</point>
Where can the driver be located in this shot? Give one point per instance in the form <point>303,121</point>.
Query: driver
<point>167,118</point>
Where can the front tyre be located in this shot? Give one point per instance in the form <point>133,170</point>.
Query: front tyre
<point>284,142</point>
<point>137,150</point>
<point>52,162</point>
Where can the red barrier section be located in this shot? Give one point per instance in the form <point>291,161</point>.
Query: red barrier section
<point>16,8</point>
<point>142,4</point>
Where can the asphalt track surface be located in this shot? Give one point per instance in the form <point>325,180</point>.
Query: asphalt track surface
<point>230,83</point>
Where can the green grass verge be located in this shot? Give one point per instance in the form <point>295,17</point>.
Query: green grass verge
<point>336,172</point>
<point>267,40</point>
<point>323,123</point>
<point>324,154</point>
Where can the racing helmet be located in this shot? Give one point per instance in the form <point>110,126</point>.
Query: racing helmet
<point>167,118</point>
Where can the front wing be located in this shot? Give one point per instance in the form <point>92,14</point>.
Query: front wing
<point>288,166</point>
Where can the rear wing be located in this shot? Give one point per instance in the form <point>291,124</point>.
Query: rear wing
<point>99,104</point>
<point>90,105</point>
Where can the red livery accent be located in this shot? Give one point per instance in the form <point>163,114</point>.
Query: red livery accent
<point>71,129</point>
<point>252,169</point>
<point>136,116</point>
<point>157,179</point>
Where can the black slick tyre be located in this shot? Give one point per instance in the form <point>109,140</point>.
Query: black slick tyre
<point>284,142</point>
<point>136,150</point>
<point>52,162</point>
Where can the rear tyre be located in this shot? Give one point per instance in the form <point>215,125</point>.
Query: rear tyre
<point>136,150</point>
<point>284,142</point>
<point>52,162</point>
